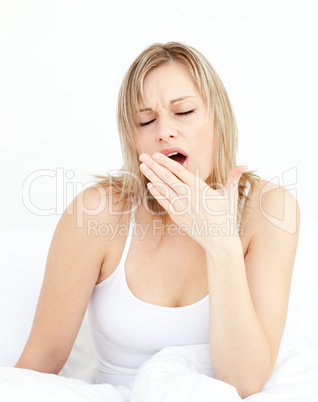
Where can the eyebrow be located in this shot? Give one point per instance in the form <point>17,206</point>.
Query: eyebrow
<point>148,109</point>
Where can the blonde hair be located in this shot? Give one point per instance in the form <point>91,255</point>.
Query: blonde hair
<point>130,184</point>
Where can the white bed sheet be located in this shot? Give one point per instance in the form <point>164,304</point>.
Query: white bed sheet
<point>176,373</point>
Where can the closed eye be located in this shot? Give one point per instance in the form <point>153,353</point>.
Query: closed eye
<point>190,111</point>
<point>179,114</point>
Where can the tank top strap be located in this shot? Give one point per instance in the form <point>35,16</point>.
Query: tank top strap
<point>245,192</point>
<point>129,235</point>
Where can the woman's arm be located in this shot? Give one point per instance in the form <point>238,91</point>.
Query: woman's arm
<point>72,269</point>
<point>249,297</point>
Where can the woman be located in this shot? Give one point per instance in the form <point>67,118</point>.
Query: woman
<point>195,267</point>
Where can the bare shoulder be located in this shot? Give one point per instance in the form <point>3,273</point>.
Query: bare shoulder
<point>97,202</point>
<point>94,211</point>
<point>269,206</point>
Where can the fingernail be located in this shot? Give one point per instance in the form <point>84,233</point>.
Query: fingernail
<point>143,157</point>
<point>144,167</point>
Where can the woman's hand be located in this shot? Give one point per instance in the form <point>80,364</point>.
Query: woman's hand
<point>205,214</point>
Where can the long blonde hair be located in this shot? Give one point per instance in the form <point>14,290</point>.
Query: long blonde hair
<point>129,183</point>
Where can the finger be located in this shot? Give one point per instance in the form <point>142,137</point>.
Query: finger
<point>161,187</point>
<point>161,199</point>
<point>163,172</point>
<point>234,178</point>
<point>178,201</point>
<point>230,190</point>
<point>175,167</point>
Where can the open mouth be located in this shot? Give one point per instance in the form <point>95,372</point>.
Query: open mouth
<point>178,157</point>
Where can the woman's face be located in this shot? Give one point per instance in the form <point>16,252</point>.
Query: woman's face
<point>169,93</point>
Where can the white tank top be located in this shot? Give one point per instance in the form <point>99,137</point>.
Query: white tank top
<point>128,331</point>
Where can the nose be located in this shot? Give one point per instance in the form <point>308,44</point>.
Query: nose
<point>165,130</point>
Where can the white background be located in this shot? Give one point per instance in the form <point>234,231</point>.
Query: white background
<point>62,62</point>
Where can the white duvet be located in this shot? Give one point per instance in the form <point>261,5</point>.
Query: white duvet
<point>176,373</point>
